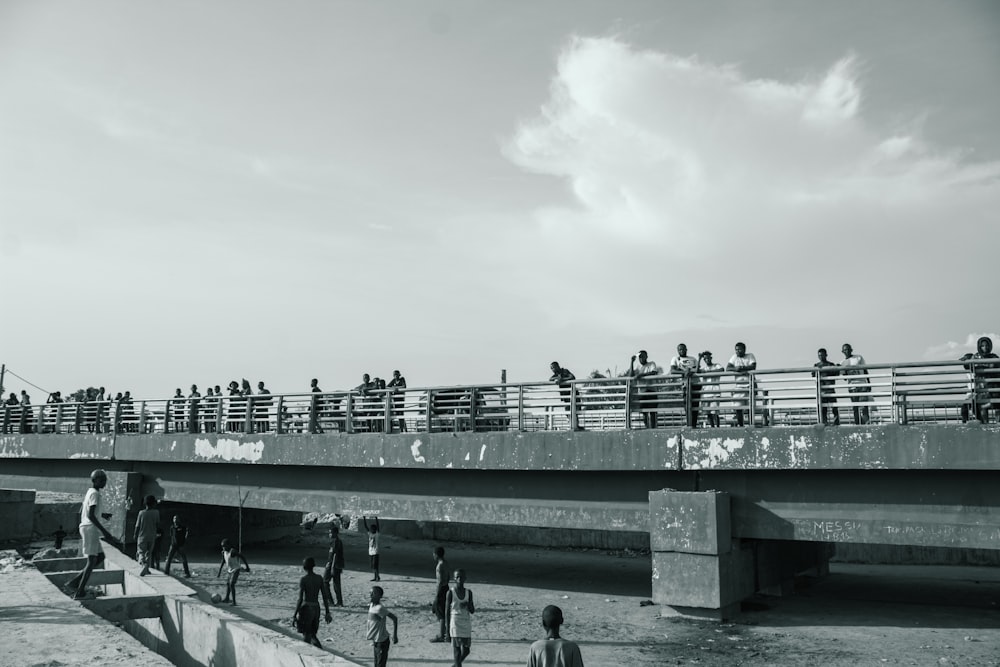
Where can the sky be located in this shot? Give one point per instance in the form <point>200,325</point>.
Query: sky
<point>200,192</point>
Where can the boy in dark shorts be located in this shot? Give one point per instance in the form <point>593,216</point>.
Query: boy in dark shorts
<point>231,559</point>
<point>306,618</point>
<point>441,574</point>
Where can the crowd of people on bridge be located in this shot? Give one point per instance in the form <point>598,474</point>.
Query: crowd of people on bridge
<point>695,383</point>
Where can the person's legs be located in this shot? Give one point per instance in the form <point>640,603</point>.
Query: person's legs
<point>171,552</point>
<point>381,653</point>
<point>338,595</point>
<point>184,561</point>
<point>456,646</point>
<point>144,549</point>
<point>375,567</point>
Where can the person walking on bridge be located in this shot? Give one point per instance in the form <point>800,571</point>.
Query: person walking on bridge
<point>563,377</point>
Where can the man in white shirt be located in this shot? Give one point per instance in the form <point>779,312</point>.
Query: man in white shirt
<point>91,530</point>
<point>686,367</point>
<point>741,364</point>
<point>646,390</point>
<point>710,393</point>
<point>857,383</point>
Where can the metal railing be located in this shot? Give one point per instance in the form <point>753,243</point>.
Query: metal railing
<point>937,392</point>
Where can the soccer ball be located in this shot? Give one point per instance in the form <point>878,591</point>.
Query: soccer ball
<point>216,598</point>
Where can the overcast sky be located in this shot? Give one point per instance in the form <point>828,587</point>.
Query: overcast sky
<point>197,192</point>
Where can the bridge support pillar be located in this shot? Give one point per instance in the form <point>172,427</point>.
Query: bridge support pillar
<point>122,497</point>
<point>700,570</point>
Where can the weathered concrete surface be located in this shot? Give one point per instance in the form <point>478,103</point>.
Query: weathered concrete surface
<point>17,515</point>
<point>696,523</point>
<point>121,608</point>
<point>547,450</point>
<point>510,511</point>
<point>51,446</point>
<point>953,526</point>
<point>41,626</point>
<point>47,565</point>
<point>843,448</point>
<point>101,577</point>
<point>701,581</point>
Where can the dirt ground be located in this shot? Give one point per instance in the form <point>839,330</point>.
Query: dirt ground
<point>859,615</point>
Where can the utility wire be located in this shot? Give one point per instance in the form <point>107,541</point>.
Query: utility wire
<point>27,381</point>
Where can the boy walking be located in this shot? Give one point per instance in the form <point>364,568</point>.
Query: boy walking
<point>460,609</point>
<point>554,651</point>
<point>146,526</point>
<point>377,633</point>
<point>306,618</point>
<point>231,559</point>
<point>91,529</point>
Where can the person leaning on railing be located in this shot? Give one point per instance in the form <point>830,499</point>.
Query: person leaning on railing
<point>984,382</point>
<point>645,390</point>
<point>742,363</point>
<point>858,385</point>
<point>686,366</point>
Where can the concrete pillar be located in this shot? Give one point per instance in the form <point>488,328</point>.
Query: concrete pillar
<point>698,568</point>
<point>122,497</point>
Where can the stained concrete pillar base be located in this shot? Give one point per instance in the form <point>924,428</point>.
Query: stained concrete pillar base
<point>705,614</point>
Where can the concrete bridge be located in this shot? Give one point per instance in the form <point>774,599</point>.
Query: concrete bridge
<point>728,511</point>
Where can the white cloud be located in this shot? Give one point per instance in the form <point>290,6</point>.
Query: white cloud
<point>699,190</point>
<point>952,349</point>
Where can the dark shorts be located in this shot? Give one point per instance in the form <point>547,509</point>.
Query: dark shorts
<point>439,601</point>
<point>308,619</point>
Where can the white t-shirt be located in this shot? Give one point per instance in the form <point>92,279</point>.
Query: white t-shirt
<point>858,374</point>
<point>684,363</point>
<point>93,497</point>
<point>377,632</point>
<point>648,368</point>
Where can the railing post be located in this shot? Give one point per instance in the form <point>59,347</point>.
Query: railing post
<point>40,421</point>
<point>78,418</point>
<point>520,407</point>
<point>278,417</point>
<point>573,416</point>
<point>628,404</point>
<point>348,413</point>
<point>751,413</point>
<point>142,417</point>
<point>6,419</point>
<point>428,410</point>
<point>687,388</point>
<point>248,425</point>
<point>116,426</point>
<point>314,413</point>
<point>386,413</point>
<point>220,426</point>
<point>819,395</point>
<point>472,409</point>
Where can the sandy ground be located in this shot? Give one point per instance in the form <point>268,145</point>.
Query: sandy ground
<point>859,615</point>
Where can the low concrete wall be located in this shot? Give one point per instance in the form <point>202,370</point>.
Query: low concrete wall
<point>192,633</point>
<point>17,515</point>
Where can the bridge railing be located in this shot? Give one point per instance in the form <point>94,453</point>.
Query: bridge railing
<point>936,392</point>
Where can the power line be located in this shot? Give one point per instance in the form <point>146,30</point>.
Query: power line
<point>27,381</point>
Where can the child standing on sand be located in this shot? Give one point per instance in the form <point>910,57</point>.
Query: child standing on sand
<point>231,561</point>
<point>373,545</point>
<point>460,609</point>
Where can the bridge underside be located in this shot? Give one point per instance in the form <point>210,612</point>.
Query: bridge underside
<point>774,495</point>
